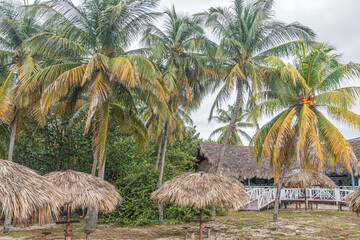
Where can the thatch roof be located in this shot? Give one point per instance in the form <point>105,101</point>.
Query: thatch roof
<point>27,193</point>
<point>82,189</point>
<point>298,178</point>
<point>202,189</point>
<point>353,201</point>
<point>241,164</point>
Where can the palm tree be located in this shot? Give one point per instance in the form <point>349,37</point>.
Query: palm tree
<point>248,33</point>
<point>301,95</point>
<point>91,72</point>
<point>241,123</point>
<point>19,95</point>
<point>179,52</point>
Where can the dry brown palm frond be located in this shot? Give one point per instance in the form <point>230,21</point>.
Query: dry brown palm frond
<point>27,193</point>
<point>82,189</point>
<point>353,201</point>
<point>202,189</point>
<point>299,178</point>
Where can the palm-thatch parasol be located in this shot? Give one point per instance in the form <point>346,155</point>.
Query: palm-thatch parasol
<point>353,200</point>
<point>82,189</point>
<point>200,190</point>
<point>299,178</point>
<point>24,193</point>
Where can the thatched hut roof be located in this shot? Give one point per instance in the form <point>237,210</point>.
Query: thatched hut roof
<point>353,201</point>
<point>241,164</point>
<point>82,189</point>
<point>201,189</point>
<point>298,178</point>
<point>27,193</point>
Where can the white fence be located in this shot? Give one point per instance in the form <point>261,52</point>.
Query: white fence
<point>266,195</point>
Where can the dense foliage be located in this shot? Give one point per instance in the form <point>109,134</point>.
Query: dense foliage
<point>55,147</point>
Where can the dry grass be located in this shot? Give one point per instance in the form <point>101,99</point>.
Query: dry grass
<point>325,224</point>
<point>298,178</point>
<point>202,189</point>
<point>82,189</point>
<point>27,193</point>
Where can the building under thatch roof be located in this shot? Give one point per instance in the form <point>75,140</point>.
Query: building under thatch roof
<point>24,193</point>
<point>241,164</point>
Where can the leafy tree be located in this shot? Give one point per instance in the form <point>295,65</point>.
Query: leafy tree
<point>240,124</point>
<point>248,33</point>
<point>301,95</point>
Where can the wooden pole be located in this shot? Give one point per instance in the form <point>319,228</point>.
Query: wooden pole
<point>67,232</point>
<point>306,207</point>
<point>201,224</point>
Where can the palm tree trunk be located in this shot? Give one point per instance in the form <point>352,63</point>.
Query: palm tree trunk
<point>94,166</point>
<point>279,184</point>
<point>239,99</point>
<point>161,174</point>
<point>12,129</point>
<point>7,222</point>
<point>159,151</point>
<point>93,213</point>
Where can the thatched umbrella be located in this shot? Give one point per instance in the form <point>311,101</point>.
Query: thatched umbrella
<point>353,200</point>
<point>82,189</point>
<point>24,193</point>
<point>200,190</point>
<point>299,178</point>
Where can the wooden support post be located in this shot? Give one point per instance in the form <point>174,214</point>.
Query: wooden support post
<point>192,232</point>
<point>186,232</point>
<point>217,234</point>
<point>201,225</point>
<point>208,229</point>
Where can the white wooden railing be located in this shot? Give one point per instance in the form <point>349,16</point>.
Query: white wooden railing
<point>266,195</point>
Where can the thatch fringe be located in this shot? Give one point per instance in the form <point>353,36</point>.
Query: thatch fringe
<point>202,189</point>
<point>298,178</point>
<point>353,201</point>
<point>82,189</point>
<point>27,194</point>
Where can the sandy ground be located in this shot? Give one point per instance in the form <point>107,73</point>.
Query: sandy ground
<point>326,223</point>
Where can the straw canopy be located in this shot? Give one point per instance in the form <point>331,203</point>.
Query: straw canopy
<point>353,201</point>
<point>82,189</point>
<point>298,178</point>
<point>24,193</point>
<point>201,189</point>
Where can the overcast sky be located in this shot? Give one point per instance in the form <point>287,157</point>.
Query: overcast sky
<point>335,21</point>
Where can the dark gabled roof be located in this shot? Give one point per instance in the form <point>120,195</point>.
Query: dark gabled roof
<point>241,164</point>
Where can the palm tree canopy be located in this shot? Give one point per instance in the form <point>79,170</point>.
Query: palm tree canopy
<point>89,72</point>
<point>249,33</point>
<point>241,124</point>
<point>303,95</point>
<point>180,53</point>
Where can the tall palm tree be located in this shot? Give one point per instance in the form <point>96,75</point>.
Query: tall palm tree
<point>301,95</point>
<point>248,33</point>
<point>19,95</point>
<point>179,52</point>
<point>241,123</point>
<point>92,69</point>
